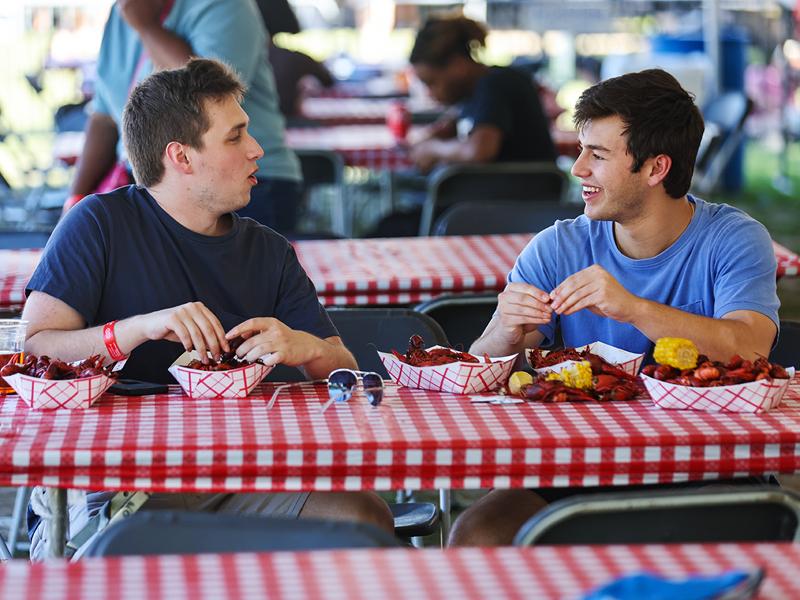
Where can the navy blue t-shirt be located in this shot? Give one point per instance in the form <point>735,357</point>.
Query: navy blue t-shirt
<point>120,254</point>
<point>506,98</point>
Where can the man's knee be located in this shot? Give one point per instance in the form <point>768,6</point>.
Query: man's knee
<point>495,519</point>
<point>361,507</point>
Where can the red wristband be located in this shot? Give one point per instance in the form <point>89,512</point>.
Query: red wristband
<point>110,341</point>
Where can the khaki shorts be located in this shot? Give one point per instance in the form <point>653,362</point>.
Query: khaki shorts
<point>279,504</point>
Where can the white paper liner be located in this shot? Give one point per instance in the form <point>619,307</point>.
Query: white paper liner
<point>629,362</point>
<point>234,383</point>
<point>456,378</point>
<point>751,397</point>
<point>70,394</point>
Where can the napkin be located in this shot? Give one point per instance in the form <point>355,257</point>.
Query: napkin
<point>655,587</point>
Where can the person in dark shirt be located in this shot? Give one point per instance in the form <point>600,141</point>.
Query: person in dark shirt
<point>500,117</point>
<point>293,70</point>
<point>149,271</point>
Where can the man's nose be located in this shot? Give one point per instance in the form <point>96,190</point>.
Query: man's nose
<point>579,168</point>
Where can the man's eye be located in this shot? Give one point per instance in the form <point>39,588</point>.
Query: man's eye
<point>597,156</point>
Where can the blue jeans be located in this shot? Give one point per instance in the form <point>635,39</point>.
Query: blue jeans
<point>275,203</point>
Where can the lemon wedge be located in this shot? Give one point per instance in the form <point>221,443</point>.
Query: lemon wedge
<point>517,380</point>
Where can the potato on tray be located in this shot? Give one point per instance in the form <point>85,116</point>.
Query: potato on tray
<point>446,370</point>
<point>688,379</point>
<point>577,382</point>
<point>43,382</point>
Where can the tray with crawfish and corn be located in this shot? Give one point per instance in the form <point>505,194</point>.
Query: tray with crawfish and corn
<point>445,369</point>
<point>545,361</point>
<point>685,379</point>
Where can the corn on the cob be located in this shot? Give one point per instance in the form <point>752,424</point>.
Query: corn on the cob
<point>578,376</point>
<point>676,352</point>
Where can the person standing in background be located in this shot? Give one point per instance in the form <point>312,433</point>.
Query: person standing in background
<point>142,36</point>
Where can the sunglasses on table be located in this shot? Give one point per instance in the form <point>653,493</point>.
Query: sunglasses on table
<point>341,384</point>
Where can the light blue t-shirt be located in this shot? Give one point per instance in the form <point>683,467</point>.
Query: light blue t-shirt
<point>229,30</point>
<point>723,261</point>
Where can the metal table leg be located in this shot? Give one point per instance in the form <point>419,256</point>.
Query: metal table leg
<point>444,516</point>
<point>58,524</point>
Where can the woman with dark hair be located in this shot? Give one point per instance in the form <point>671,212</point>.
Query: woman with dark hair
<point>500,116</point>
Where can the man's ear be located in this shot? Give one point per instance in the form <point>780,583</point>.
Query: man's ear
<point>659,167</point>
<point>178,157</point>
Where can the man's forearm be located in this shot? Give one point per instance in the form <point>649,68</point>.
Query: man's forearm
<point>329,357</point>
<point>167,50</point>
<point>719,339</point>
<point>493,343</point>
<point>71,345</point>
<point>98,154</point>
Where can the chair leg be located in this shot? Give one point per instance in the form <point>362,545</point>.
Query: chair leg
<point>444,516</point>
<point>18,517</point>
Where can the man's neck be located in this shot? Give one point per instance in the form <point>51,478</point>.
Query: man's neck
<point>188,212</point>
<point>655,230</point>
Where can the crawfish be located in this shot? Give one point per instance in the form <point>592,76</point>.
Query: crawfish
<point>417,356</point>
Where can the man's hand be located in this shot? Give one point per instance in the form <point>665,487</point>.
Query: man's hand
<point>594,288</point>
<point>267,335</point>
<point>424,154</point>
<point>521,308</point>
<point>191,324</point>
<point>141,14</point>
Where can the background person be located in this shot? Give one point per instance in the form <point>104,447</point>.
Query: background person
<point>143,35</point>
<point>169,266</point>
<point>645,260</point>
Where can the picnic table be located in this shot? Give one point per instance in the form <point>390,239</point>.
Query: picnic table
<point>376,272</point>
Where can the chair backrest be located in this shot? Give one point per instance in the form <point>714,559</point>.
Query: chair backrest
<point>528,181</point>
<point>463,317</point>
<point>321,167</point>
<point>367,330</point>
<point>748,513</point>
<point>183,532</point>
<point>725,117</point>
<point>502,216</point>
<point>787,351</point>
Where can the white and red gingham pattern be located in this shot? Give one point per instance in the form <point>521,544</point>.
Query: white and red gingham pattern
<point>369,146</point>
<point>788,261</point>
<point>358,111</point>
<point>375,271</point>
<point>234,383</point>
<point>457,378</point>
<point>16,268</point>
<point>70,394</point>
<point>540,572</point>
<point>751,397</point>
<point>416,439</point>
<point>399,270</point>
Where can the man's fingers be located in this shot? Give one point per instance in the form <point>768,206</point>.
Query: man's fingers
<point>526,289</point>
<point>220,341</point>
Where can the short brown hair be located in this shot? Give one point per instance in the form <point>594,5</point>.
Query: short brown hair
<point>170,106</point>
<point>659,116</point>
<point>443,37</point>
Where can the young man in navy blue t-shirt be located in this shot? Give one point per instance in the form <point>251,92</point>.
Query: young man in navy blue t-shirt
<point>152,270</point>
<point>645,260</point>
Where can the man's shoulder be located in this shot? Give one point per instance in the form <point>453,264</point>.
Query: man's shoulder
<point>253,232</point>
<point>724,218</point>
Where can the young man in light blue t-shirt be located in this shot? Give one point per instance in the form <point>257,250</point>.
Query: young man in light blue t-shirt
<point>645,260</point>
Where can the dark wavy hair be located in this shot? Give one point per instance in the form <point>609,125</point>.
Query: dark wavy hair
<point>170,106</point>
<point>441,38</point>
<point>659,116</point>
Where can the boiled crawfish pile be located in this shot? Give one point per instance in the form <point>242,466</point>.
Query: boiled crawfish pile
<point>417,356</point>
<point>710,373</point>
<point>45,367</point>
<point>609,382</point>
<point>226,361</point>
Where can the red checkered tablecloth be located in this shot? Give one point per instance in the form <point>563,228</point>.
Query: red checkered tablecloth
<point>16,267</point>
<point>416,439</point>
<point>369,146</point>
<point>402,270</point>
<point>788,261</point>
<point>359,111</point>
<point>541,572</point>
<point>376,272</point>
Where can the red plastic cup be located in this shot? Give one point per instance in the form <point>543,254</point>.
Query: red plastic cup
<point>398,119</point>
